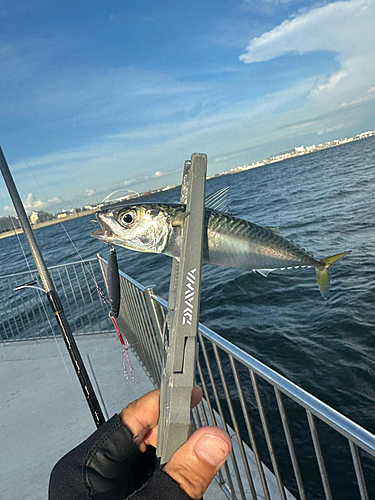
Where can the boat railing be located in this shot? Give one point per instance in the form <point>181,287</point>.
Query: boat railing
<point>279,431</point>
<point>23,314</point>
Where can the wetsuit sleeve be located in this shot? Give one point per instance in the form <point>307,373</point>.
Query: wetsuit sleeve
<point>109,466</point>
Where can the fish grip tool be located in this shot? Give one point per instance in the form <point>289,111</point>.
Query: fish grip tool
<point>180,329</point>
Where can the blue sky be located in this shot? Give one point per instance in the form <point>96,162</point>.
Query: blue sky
<point>104,95</point>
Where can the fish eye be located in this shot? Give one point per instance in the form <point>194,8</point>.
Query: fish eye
<point>129,218</point>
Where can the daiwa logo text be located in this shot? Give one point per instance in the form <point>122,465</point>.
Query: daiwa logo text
<point>189,297</point>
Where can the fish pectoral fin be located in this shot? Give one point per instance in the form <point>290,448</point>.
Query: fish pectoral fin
<point>178,221</point>
<point>264,272</point>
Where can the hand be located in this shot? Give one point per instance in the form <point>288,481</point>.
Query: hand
<point>196,462</point>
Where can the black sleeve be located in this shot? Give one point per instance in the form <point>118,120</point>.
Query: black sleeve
<point>109,466</point>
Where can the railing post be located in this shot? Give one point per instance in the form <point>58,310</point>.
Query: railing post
<point>156,314</point>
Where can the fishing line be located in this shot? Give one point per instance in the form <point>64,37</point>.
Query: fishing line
<point>97,287</point>
<point>39,291</point>
<point>92,276</point>
<point>114,295</point>
<point>53,297</point>
<point>112,274</point>
<point>5,198</point>
<point>36,180</point>
<point>20,244</point>
<point>66,232</point>
<point>126,364</point>
<point>112,314</point>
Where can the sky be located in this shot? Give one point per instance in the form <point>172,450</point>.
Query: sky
<point>105,95</point>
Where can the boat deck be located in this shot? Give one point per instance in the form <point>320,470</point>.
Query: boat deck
<point>44,413</point>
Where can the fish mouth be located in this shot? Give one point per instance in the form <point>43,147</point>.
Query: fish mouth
<point>104,232</point>
<point>101,234</point>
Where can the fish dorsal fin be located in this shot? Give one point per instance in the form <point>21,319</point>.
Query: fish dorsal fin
<point>264,272</point>
<point>218,200</point>
<point>273,230</point>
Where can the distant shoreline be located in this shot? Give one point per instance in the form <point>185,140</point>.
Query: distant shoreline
<point>38,225</point>
<point>300,151</point>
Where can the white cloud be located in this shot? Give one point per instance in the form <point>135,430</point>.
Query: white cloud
<point>31,204</point>
<point>187,116</point>
<point>331,27</point>
<point>129,182</point>
<point>9,8</point>
<point>58,158</point>
<point>331,83</point>
<point>271,1</point>
<point>71,94</point>
<point>90,192</point>
<point>360,99</point>
<point>9,210</point>
<point>345,28</point>
<point>327,130</point>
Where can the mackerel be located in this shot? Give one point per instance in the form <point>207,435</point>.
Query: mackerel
<point>228,241</point>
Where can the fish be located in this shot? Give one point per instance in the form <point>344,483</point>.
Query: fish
<point>228,240</point>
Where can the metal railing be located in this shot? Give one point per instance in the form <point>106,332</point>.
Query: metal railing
<point>141,320</point>
<point>279,431</point>
<point>23,313</point>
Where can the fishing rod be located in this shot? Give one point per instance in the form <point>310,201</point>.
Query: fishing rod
<point>52,295</point>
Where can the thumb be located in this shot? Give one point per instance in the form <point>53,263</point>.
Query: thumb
<point>195,464</point>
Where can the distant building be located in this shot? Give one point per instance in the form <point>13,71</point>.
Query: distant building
<point>62,215</point>
<point>39,216</point>
<point>364,135</point>
<point>8,223</point>
<point>299,151</point>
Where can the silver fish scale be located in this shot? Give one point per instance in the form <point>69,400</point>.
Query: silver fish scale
<point>240,243</point>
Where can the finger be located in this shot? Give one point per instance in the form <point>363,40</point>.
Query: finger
<point>196,396</point>
<point>151,436</point>
<point>195,464</point>
<point>142,414</point>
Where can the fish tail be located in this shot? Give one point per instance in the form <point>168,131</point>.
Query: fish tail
<point>322,275</point>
